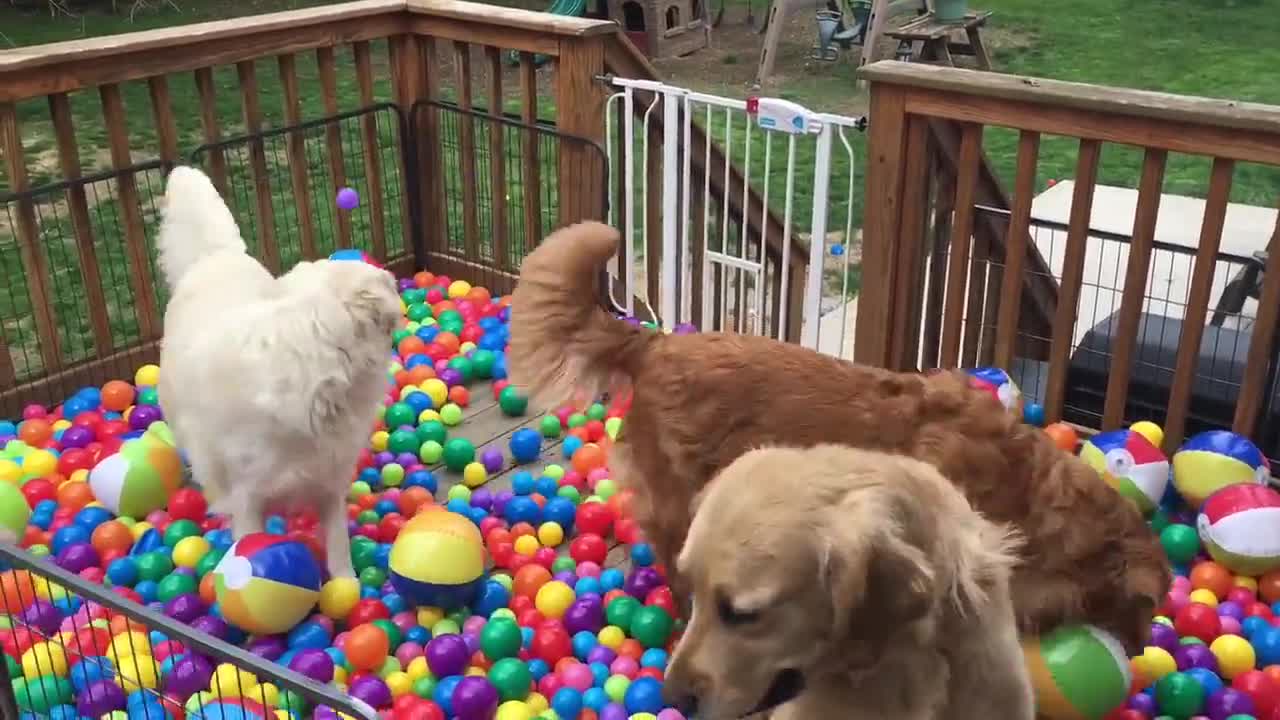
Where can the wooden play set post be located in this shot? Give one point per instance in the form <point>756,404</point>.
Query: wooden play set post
<point>881,10</point>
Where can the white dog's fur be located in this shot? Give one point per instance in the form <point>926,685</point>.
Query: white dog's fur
<point>271,385</point>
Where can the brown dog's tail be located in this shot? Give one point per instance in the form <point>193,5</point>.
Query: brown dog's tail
<point>563,344</point>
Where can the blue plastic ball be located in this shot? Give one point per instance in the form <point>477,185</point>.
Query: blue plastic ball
<point>123,572</point>
<point>422,478</point>
<point>1252,625</point>
<point>546,487</point>
<point>643,695</point>
<point>1207,678</point>
<point>91,517</point>
<point>419,401</point>
<point>1033,414</point>
<point>538,668</point>
<point>567,703</point>
<point>583,642</point>
<point>526,445</point>
<point>611,579</point>
<point>642,554</point>
<point>522,509</point>
<point>309,635</point>
<point>1266,644</point>
<point>68,535</point>
<point>559,510</point>
<point>570,446</point>
<point>417,634</point>
<point>443,694</point>
<point>595,698</point>
<point>654,658</point>
<point>587,585</point>
<point>522,483</point>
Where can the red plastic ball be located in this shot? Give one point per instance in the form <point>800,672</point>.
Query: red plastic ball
<point>188,504</point>
<point>595,518</point>
<point>589,547</point>
<point>38,490</point>
<point>389,527</point>
<point>1198,620</point>
<point>545,556</point>
<point>1126,714</point>
<point>529,618</point>
<point>627,531</point>
<point>662,597</point>
<point>650,672</point>
<point>366,611</point>
<point>1259,609</point>
<point>551,645</point>
<point>74,459</point>
<point>1260,688</point>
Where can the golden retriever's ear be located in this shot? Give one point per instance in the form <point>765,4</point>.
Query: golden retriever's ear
<point>879,579</point>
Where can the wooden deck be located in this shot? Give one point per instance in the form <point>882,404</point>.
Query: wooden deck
<point>485,425</point>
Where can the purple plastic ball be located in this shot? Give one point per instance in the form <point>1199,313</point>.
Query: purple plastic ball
<point>642,581</point>
<point>1193,656</point>
<point>685,329</point>
<point>1143,703</point>
<point>631,320</point>
<point>1165,637</point>
<point>211,625</point>
<point>406,459</point>
<point>405,284</point>
<point>613,711</point>
<point>315,664</point>
<point>451,377</point>
<point>348,199</point>
<point>382,458</point>
<point>100,698</point>
<point>586,613</point>
<point>189,675</point>
<point>474,698</point>
<point>601,654</point>
<point>1227,702</point>
<point>371,690</point>
<point>1230,608</point>
<point>566,576</point>
<point>473,642</point>
<point>270,647</point>
<point>43,616</point>
<point>76,437</point>
<point>500,500</point>
<point>143,415</point>
<point>491,458</point>
<point>77,557</point>
<point>447,655</point>
<point>482,498</point>
<point>185,608</point>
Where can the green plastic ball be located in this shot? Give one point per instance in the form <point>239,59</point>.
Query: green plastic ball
<point>367,517</point>
<point>424,686</point>
<point>1159,520</point>
<point>432,430</point>
<point>403,441</point>
<point>1179,695</point>
<point>450,317</point>
<point>174,585</point>
<point>178,530</point>
<point>621,611</point>
<point>154,565</point>
<point>1181,543</point>
<point>463,366</point>
<point>457,453</point>
<point>549,426</point>
<point>399,414</point>
<point>393,633</point>
<point>451,414</point>
<point>563,564</point>
<point>596,412</point>
<point>148,396</point>
<point>577,420</point>
<point>570,492</point>
<point>511,677</point>
<point>392,474</point>
<point>482,361</point>
<point>363,554</point>
<point>430,452</point>
<point>500,639</point>
<point>209,562</point>
<point>652,626</point>
<point>512,401</point>
<point>414,295</point>
<point>372,577</point>
<point>418,312</point>
<point>39,694</point>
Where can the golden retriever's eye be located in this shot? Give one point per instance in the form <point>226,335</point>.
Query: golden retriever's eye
<point>729,615</point>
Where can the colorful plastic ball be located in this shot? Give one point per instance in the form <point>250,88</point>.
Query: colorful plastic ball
<point>347,199</point>
<point>266,584</point>
<point>643,695</point>
<point>141,476</point>
<point>458,452</point>
<point>526,445</point>
<point>1214,459</point>
<point>438,559</point>
<point>1179,695</point>
<point>512,678</point>
<point>1077,671</point>
<point>1199,621</point>
<point>1240,528</point>
<point>14,513</point>
<point>1180,542</point>
<point>366,646</point>
<point>652,626</point>
<point>1235,655</point>
<point>553,599</point>
<point>1131,464</point>
<point>997,383</point>
<point>512,401</point>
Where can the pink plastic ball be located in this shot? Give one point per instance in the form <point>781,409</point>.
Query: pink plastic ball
<point>626,666</point>
<point>1230,625</point>
<point>595,475</point>
<point>157,517</point>
<point>404,620</point>
<point>488,524</point>
<point>577,676</point>
<point>545,556</point>
<point>473,625</point>
<point>670,714</point>
<point>1176,600</point>
<point>340,640</point>
<point>549,684</point>
<point>1244,597</point>
<point>1182,583</point>
<point>588,569</point>
<point>407,652</point>
<point>33,411</point>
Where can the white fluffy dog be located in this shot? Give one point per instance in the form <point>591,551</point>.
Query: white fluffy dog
<point>271,385</point>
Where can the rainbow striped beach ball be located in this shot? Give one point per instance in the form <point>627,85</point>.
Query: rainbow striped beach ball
<point>1128,462</point>
<point>1214,459</point>
<point>999,385</point>
<point>438,559</point>
<point>266,584</point>
<point>1079,672</point>
<point>1240,527</point>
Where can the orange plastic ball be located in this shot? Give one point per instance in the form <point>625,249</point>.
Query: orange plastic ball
<point>522,528</point>
<point>117,395</point>
<point>631,648</point>
<point>17,592</point>
<point>460,396</point>
<point>442,306</point>
<point>1063,435</point>
<point>75,495</point>
<point>419,374</point>
<point>412,499</point>
<point>1273,672</point>
<point>1269,587</point>
<point>35,432</point>
<point>588,458</point>
<point>111,535</point>
<point>1211,576</point>
<point>529,579</point>
<point>424,279</point>
<point>479,295</point>
<point>401,378</point>
<point>367,647</point>
<point>448,341</point>
<point>208,593</point>
<point>411,345</point>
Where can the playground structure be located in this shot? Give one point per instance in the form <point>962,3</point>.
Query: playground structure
<point>662,28</point>
<point>841,25</point>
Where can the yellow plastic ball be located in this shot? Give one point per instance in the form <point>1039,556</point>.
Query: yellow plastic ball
<point>612,427</point>
<point>139,529</point>
<point>1235,655</point>
<point>553,599</point>
<point>130,643</point>
<point>474,474</point>
<point>189,550</point>
<point>537,702</point>
<point>399,683</point>
<point>550,534</point>
<point>378,441</point>
<point>554,471</point>
<point>428,415</point>
<point>339,675</point>
<point>417,669</point>
<point>229,681</point>
<point>611,636</point>
<point>61,425</point>
<point>40,463</point>
<point>474,671</point>
<point>643,716</point>
<point>428,616</point>
<point>1204,596</point>
<point>1246,582</point>
<point>339,596</point>
<point>138,672</point>
<point>527,545</point>
<point>514,710</point>
<point>458,289</point>
<point>1149,430</point>
<point>10,471</point>
<point>466,348</point>
<point>451,414</point>
<point>437,390</point>
<point>1155,662</point>
<point>407,390</point>
<point>147,375</point>
<point>44,658</point>
<point>266,693</point>
<point>460,492</point>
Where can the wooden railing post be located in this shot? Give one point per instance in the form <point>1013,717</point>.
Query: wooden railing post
<point>580,112</point>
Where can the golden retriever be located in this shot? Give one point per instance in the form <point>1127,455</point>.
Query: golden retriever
<point>834,582</point>
<point>271,385</point>
<point>702,400</point>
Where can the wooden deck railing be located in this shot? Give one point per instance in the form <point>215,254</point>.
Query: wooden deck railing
<point>980,310</point>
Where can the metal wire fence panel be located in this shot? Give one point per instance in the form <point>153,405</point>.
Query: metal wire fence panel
<point>497,182</point>
<point>76,649</point>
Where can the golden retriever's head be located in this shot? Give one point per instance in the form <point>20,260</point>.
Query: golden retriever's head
<point>796,570</point>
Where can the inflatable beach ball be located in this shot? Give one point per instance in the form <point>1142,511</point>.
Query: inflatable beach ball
<point>1078,672</point>
<point>1128,462</point>
<point>266,584</point>
<point>999,385</point>
<point>141,475</point>
<point>1240,527</point>
<point>14,513</point>
<point>354,255</point>
<point>438,559</point>
<point>1213,460</point>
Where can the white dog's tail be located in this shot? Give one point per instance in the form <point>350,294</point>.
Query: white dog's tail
<point>197,223</point>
